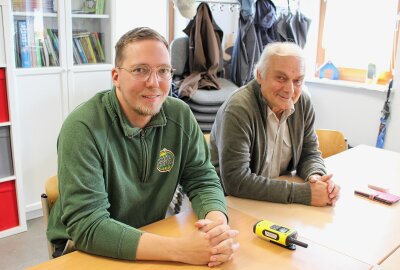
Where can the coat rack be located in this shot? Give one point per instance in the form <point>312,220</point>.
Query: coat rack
<point>222,4</point>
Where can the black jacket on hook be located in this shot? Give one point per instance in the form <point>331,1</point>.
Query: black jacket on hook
<point>265,22</point>
<point>253,34</point>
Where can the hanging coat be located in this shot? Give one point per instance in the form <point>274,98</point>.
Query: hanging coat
<point>265,23</point>
<point>246,52</point>
<point>205,52</point>
<point>293,28</point>
<point>283,28</point>
<point>254,33</point>
<point>300,25</point>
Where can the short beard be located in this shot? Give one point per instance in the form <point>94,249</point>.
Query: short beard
<point>146,111</point>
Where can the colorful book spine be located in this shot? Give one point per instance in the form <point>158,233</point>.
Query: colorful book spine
<point>80,50</point>
<point>23,39</point>
<point>100,7</point>
<point>54,39</point>
<point>99,47</point>
<point>53,57</point>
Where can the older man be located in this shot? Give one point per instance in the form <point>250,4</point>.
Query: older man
<point>266,129</point>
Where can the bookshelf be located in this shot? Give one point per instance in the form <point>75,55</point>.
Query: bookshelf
<point>37,38</point>
<point>52,83</point>
<point>12,208</point>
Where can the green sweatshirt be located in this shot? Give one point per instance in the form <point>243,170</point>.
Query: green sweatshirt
<point>114,178</point>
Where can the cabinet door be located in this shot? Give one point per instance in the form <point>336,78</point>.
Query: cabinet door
<point>90,32</point>
<point>84,85</point>
<point>40,116</point>
<point>36,38</point>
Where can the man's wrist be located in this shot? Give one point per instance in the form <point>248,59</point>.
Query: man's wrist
<point>318,174</point>
<point>217,216</point>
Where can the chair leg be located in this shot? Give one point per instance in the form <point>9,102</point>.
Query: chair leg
<point>69,247</point>
<point>46,211</point>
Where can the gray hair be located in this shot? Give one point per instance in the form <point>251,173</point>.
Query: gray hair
<point>279,49</point>
<point>137,34</point>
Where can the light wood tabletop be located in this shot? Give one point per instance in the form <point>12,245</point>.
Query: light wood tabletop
<point>357,227</point>
<point>391,263</point>
<point>254,253</point>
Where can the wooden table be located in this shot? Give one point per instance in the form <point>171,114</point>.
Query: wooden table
<point>391,263</point>
<point>357,227</point>
<point>254,253</point>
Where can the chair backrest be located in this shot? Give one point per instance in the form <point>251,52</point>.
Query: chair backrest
<point>179,49</point>
<point>331,142</point>
<point>48,199</point>
<point>207,137</point>
<point>52,190</point>
<point>179,54</point>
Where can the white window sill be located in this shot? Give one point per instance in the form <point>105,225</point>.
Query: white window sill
<point>348,84</point>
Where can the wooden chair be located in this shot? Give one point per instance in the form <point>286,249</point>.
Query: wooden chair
<point>331,142</point>
<point>48,199</point>
<point>207,137</point>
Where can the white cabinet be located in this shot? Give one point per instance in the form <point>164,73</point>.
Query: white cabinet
<point>62,55</point>
<point>12,206</point>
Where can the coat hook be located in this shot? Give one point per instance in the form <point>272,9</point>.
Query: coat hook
<point>212,7</point>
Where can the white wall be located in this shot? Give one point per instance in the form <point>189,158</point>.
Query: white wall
<point>353,111</point>
<point>357,112</point>
<point>150,13</point>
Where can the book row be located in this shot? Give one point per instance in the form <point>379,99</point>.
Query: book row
<point>41,48</point>
<point>35,48</point>
<point>85,7</point>
<point>88,48</point>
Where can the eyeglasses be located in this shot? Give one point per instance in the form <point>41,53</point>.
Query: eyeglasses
<point>143,72</point>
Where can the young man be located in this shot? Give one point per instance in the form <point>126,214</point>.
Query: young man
<point>266,129</point>
<point>121,156</point>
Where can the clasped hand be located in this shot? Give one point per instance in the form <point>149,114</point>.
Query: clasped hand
<point>219,237</point>
<point>323,190</point>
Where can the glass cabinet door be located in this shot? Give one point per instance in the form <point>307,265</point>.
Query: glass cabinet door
<point>90,31</point>
<point>36,33</point>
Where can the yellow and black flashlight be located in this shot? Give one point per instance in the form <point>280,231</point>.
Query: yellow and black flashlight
<point>277,234</point>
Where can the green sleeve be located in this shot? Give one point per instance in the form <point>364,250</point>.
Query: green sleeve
<point>84,200</point>
<point>199,179</point>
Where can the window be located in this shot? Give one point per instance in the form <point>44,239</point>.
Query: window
<point>355,34</point>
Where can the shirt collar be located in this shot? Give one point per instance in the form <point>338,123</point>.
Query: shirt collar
<point>285,114</point>
<point>115,110</point>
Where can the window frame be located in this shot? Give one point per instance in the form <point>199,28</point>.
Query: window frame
<point>347,73</point>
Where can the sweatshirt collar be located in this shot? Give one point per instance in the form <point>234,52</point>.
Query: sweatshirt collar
<point>115,110</point>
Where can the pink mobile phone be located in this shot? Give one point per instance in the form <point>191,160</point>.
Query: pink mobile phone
<point>378,196</point>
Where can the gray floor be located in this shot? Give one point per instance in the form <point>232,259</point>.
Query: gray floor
<point>25,249</point>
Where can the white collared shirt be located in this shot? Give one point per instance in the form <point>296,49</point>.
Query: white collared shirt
<point>279,144</point>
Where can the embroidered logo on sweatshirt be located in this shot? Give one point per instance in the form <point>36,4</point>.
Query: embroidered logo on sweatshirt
<point>165,161</point>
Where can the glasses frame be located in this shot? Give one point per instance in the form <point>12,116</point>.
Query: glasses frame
<point>152,69</point>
